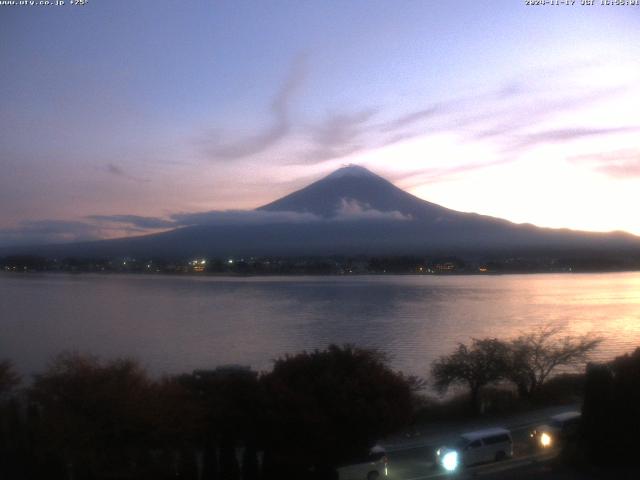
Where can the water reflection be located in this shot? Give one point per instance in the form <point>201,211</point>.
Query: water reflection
<point>180,323</point>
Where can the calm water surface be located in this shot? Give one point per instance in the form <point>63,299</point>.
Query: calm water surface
<point>175,324</point>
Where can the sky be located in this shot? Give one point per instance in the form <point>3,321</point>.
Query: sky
<point>118,116</point>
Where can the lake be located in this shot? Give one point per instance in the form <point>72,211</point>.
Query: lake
<point>177,324</point>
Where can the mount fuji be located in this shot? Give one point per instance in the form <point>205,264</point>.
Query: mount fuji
<point>352,211</point>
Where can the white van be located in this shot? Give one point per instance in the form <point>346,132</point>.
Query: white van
<point>373,466</point>
<point>492,444</point>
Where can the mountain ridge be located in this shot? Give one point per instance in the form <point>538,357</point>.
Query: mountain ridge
<point>358,183</point>
<point>351,211</point>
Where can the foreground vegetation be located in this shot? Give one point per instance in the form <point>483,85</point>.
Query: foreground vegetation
<point>526,362</point>
<point>84,418</point>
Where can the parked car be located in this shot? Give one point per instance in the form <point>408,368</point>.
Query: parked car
<point>492,444</point>
<point>372,466</point>
<point>559,428</point>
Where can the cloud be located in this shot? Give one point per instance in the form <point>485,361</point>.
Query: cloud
<point>455,112</point>
<point>504,115</point>
<point>239,148</point>
<point>49,231</point>
<point>241,217</point>
<point>412,117</point>
<point>110,226</point>
<point>619,164</point>
<point>351,209</point>
<point>98,227</point>
<point>498,114</point>
<point>432,175</point>
<point>338,136</point>
<point>118,171</point>
<point>630,169</point>
<point>115,170</point>
<point>134,220</point>
<point>567,134</point>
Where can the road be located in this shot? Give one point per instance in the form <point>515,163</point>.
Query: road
<point>411,458</point>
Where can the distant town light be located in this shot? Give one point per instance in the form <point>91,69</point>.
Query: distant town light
<point>450,461</point>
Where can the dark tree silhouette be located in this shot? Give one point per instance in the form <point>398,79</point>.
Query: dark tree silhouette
<point>327,406</point>
<point>12,438</point>
<point>96,414</point>
<point>534,357</point>
<point>474,366</point>
<point>178,425</point>
<point>87,418</point>
<point>611,412</point>
<point>232,402</point>
<point>9,379</point>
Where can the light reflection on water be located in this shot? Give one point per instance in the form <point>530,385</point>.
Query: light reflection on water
<point>177,324</point>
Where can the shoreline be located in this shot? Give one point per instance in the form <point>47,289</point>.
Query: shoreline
<point>311,274</point>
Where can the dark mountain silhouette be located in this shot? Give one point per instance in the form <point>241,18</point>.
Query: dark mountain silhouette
<point>353,211</point>
<point>355,183</point>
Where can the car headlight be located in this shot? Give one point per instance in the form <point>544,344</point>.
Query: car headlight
<point>545,440</point>
<point>450,461</point>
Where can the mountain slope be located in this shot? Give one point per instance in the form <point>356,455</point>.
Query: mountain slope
<point>325,197</point>
<point>353,211</point>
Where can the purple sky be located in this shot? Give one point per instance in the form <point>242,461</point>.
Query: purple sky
<point>118,115</point>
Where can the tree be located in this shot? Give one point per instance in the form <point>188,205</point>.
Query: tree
<point>611,411</point>
<point>533,357</point>
<point>178,421</point>
<point>95,414</point>
<point>597,412</point>
<point>232,401</point>
<point>11,425</point>
<point>9,379</point>
<point>327,406</point>
<point>477,365</point>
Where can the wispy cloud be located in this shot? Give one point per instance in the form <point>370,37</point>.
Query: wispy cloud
<point>107,226</point>
<point>629,169</point>
<point>134,220</point>
<point>500,115</point>
<point>566,135</point>
<point>118,171</point>
<point>411,118</point>
<point>454,112</point>
<point>238,148</point>
<point>619,164</point>
<point>509,116</point>
<point>115,170</point>
<point>241,217</point>
<point>50,231</point>
<point>338,136</point>
<point>432,175</point>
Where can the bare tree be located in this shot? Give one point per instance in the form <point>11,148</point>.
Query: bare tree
<point>533,357</point>
<point>475,366</point>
